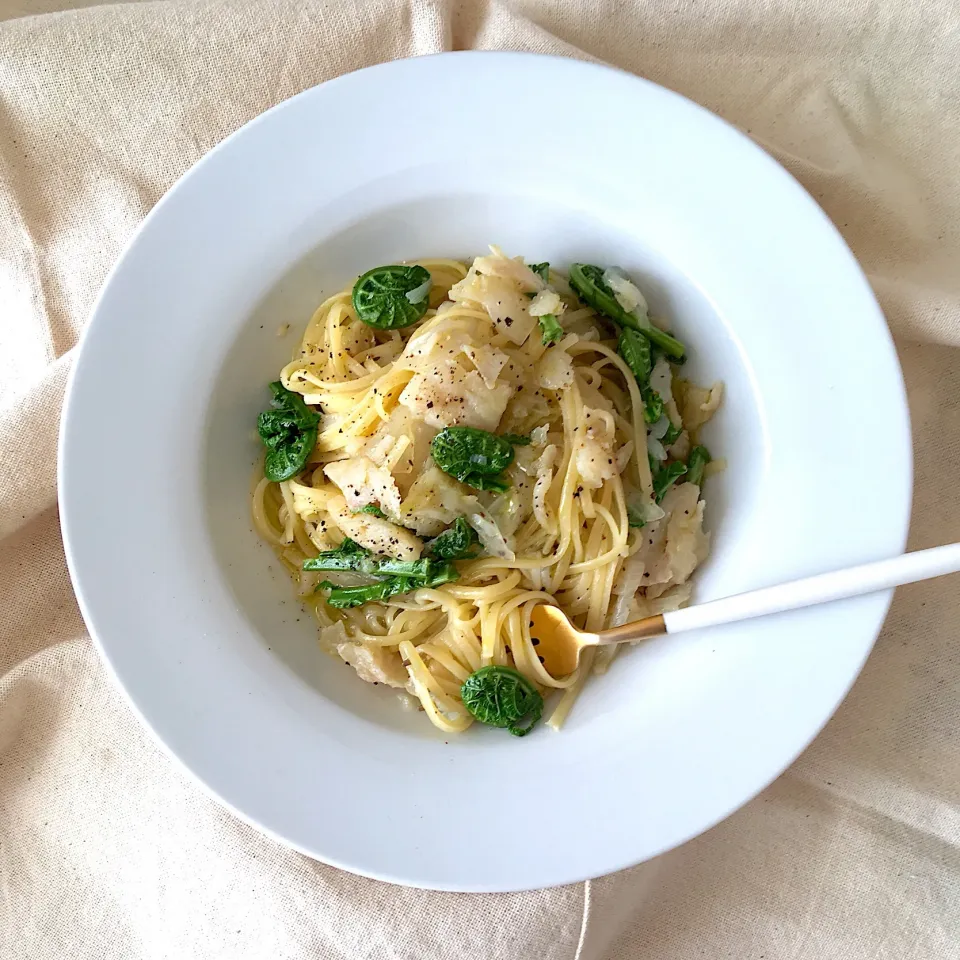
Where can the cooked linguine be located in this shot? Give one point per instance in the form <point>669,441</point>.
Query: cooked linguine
<point>454,443</point>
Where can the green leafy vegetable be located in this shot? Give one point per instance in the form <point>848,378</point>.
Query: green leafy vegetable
<point>696,463</point>
<point>502,697</point>
<point>373,510</point>
<point>348,556</point>
<point>455,543</point>
<point>343,597</point>
<point>652,405</point>
<point>393,576</point>
<point>424,569</point>
<point>381,296</point>
<point>640,510</point>
<point>635,350</point>
<point>672,435</point>
<point>657,353</point>
<point>442,572</point>
<point>550,329</point>
<point>351,556</point>
<point>542,270</point>
<point>436,573</point>
<point>517,439</point>
<point>289,432</point>
<point>665,477</point>
<point>472,456</point>
<point>587,280</point>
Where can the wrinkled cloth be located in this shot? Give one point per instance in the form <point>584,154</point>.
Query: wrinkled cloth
<point>108,850</point>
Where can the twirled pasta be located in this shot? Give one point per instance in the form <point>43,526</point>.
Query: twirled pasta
<point>562,531</point>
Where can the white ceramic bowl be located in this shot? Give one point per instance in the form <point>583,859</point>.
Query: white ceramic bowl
<point>559,161</point>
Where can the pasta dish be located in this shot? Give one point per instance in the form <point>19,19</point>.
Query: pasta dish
<point>454,443</point>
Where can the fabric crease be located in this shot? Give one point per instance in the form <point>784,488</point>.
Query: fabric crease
<point>107,850</point>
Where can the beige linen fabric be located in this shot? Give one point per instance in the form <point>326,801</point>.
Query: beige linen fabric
<point>108,851</point>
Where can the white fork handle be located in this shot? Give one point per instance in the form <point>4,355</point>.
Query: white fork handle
<point>852,582</point>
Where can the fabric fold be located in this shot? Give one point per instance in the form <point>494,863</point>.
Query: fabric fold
<point>107,849</point>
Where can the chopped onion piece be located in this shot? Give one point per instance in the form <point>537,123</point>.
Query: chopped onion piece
<point>630,578</point>
<point>546,301</point>
<point>538,435</point>
<point>556,369</point>
<point>542,487</point>
<point>655,448</point>
<point>649,510</point>
<point>628,295</point>
<point>331,637</point>
<point>492,540</point>
<point>621,613</point>
<point>661,379</point>
<point>660,428</point>
<point>419,294</point>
